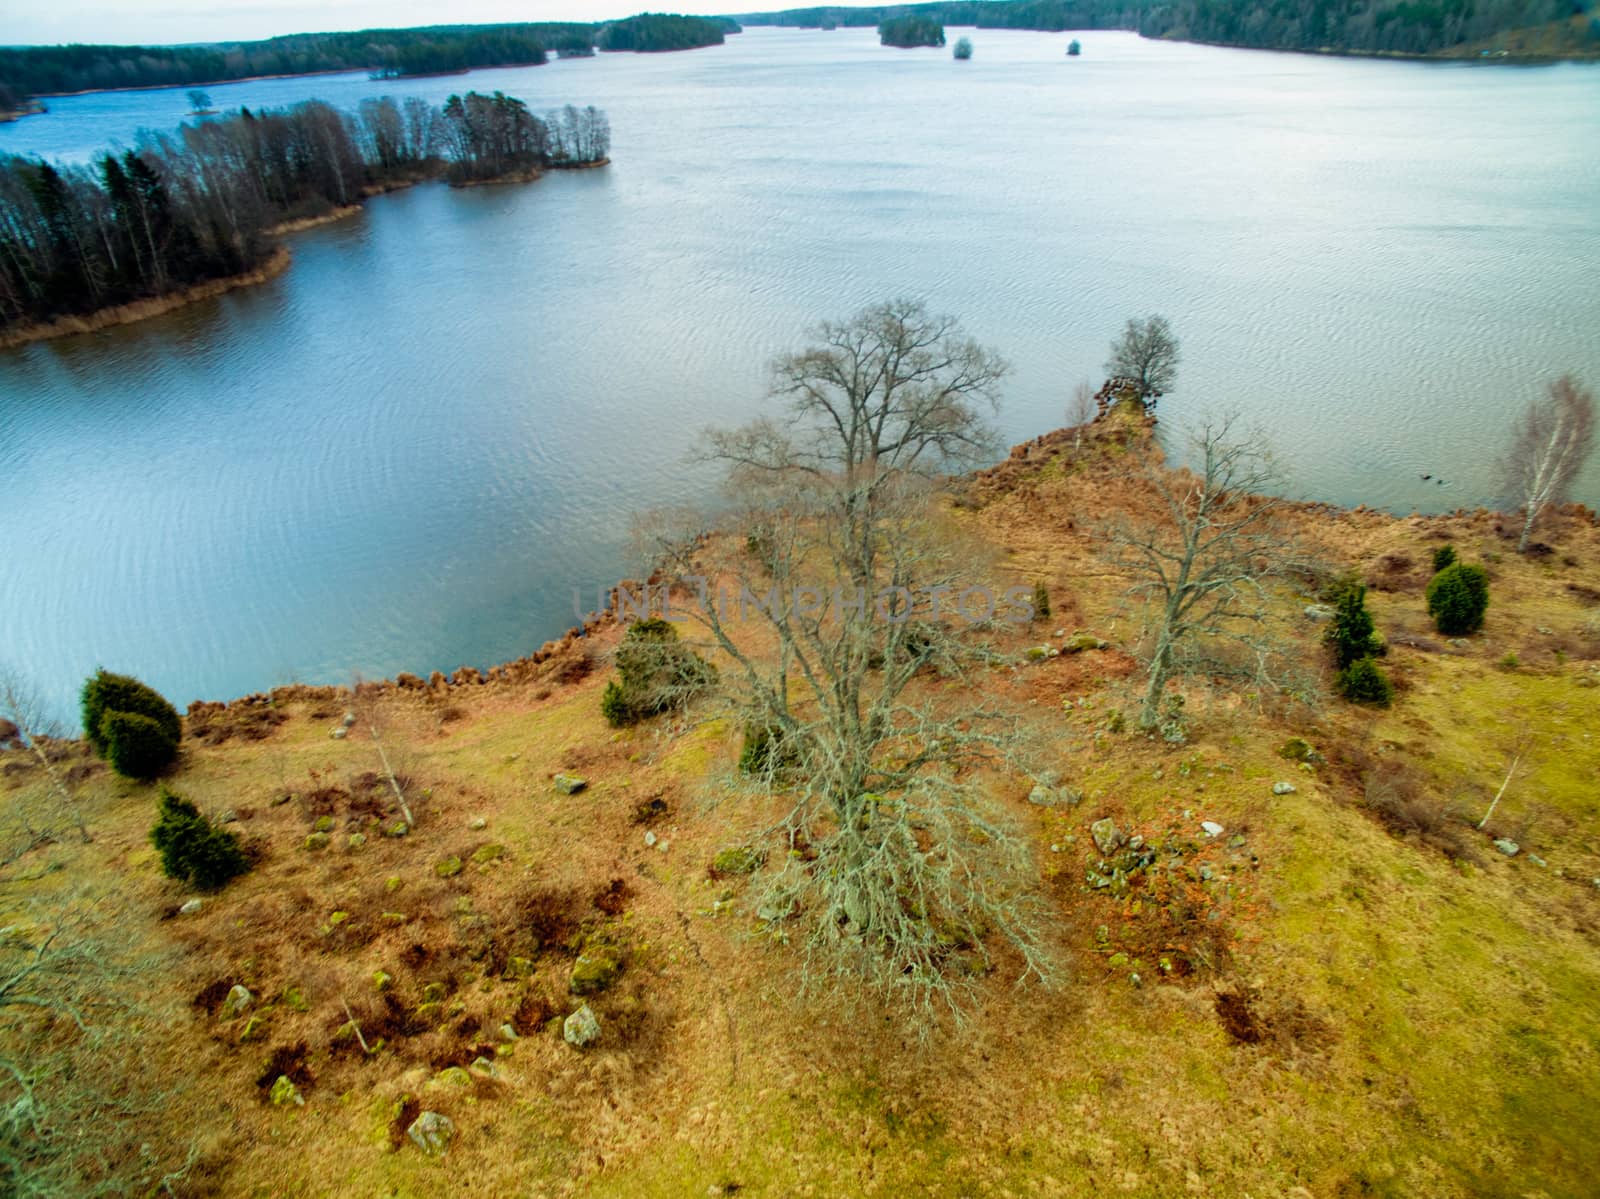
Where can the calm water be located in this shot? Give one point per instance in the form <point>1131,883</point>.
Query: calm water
<point>405,452</point>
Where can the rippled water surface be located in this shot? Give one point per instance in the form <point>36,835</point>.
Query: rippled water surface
<point>405,452</point>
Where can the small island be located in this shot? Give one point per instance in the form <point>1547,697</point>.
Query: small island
<point>651,33</point>
<point>187,216</point>
<point>911,31</point>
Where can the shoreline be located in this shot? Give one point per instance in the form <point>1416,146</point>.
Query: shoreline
<point>311,222</point>
<point>138,310</point>
<point>1505,59</point>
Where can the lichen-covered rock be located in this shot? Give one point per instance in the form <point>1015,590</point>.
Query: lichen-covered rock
<point>317,841</point>
<point>398,828</point>
<point>1211,828</point>
<point>448,868</point>
<point>1283,788</point>
<point>285,1094</point>
<point>1296,749</point>
<point>1107,836</point>
<point>191,906</point>
<point>434,993</point>
<point>569,784</point>
<point>432,1133</point>
<point>582,1028</point>
<point>295,997</point>
<point>484,1068</point>
<point>487,854</point>
<point>597,967</point>
<point>381,980</point>
<point>1079,642</point>
<point>517,968</point>
<point>1507,846</point>
<point>451,1076</point>
<point>239,998</point>
<point>356,840</point>
<point>324,824</point>
<point>738,859</point>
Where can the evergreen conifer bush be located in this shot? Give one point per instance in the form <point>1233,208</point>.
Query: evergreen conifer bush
<point>191,848</point>
<point>1457,598</point>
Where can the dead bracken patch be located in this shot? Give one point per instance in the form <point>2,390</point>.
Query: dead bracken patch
<point>1238,1019</point>
<point>612,899</point>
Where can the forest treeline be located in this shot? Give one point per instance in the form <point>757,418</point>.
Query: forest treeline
<point>1356,26</point>
<point>1047,15</point>
<point>202,203</point>
<point>40,70</point>
<point>1392,26</point>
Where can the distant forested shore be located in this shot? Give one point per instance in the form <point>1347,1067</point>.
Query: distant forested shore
<point>1520,29</point>
<point>29,71</point>
<point>83,246</point>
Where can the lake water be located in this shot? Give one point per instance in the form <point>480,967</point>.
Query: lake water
<point>407,451</point>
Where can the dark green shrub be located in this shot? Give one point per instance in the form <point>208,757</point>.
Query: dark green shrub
<point>105,692</point>
<point>1363,682</point>
<point>614,706</point>
<point>1041,602</point>
<point>1457,598</point>
<point>657,673</point>
<point>1352,634</point>
<point>192,849</point>
<point>1444,556</point>
<point>136,746</point>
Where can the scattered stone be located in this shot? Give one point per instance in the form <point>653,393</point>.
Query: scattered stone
<point>452,1076</point>
<point>1078,642</point>
<point>1236,841</point>
<point>356,840</point>
<point>398,829</point>
<point>284,1093</point>
<point>1320,612</point>
<point>317,841</point>
<point>649,839</point>
<point>477,823</point>
<point>394,918</point>
<point>488,853</point>
<point>279,800</point>
<point>339,734</point>
<point>569,784</point>
<point>1055,848</point>
<point>1211,828</point>
<point>1045,796</point>
<point>191,906</point>
<point>349,719</point>
<point>507,1033</point>
<point>597,967</point>
<point>1136,843</point>
<point>1507,846</point>
<point>255,1028</point>
<point>433,993</point>
<point>1296,749</point>
<point>663,845</point>
<point>229,816</point>
<point>239,998</point>
<point>382,980</point>
<point>1206,873</point>
<point>581,1029</point>
<point>484,1068</point>
<point>1537,860</point>
<point>324,824</point>
<point>1037,653</point>
<point>432,1133</point>
<point>1283,788</point>
<point>448,868</point>
<point>1107,836</point>
<point>295,997</point>
<point>517,968</point>
<point>738,859</point>
<point>393,883</point>
<point>337,918</point>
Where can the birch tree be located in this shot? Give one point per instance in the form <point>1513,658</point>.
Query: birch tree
<point>1552,440</point>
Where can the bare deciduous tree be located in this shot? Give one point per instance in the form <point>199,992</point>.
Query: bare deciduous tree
<point>1080,411</point>
<point>368,707</point>
<point>1147,351</point>
<point>79,1111</point>
<point>900,873</point>
<point>1554,438</point>
<point>23,707</point>
<point>1204,567</point>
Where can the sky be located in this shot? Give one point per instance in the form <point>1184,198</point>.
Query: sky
<point>39,22</point>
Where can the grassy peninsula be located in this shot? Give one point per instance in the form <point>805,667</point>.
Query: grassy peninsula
<point>1288,959</point>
